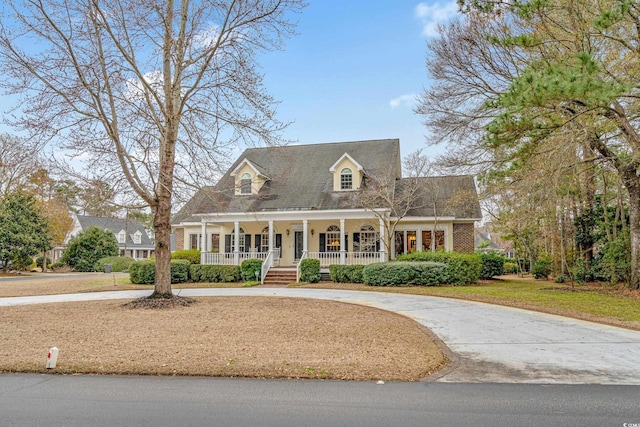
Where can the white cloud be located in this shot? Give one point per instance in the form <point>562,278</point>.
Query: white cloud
<point>433,14</point>
<point>407,99</point>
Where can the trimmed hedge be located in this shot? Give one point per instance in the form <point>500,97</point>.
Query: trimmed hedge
<point>346,273</point>
<point>510,268</point>
<point>492,265</point>
<point>144,272</point>
<point>118,263</point>
<point>462,269</point>
<point>191,255</point>
<point>415,273</point>
<point>310,270</point>
<point>249,267</point>
<point>215,273</point>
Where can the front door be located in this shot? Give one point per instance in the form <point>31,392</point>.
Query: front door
<point>297,244</point>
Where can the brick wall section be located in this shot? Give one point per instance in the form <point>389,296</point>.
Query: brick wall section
<point>179,238</point>
<point>463,238</point>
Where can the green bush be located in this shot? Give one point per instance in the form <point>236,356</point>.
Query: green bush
<point>119,264</point>
<point>492,265</point>
<point>542,268</point>
<point>510,268</point>
<point>56,265</point>
<point>191,255</point>
<point>214,273</point>
<point>144,272</point>
<point>249,267</point>
<point>462,269</point>
<point>40,259</point>
<point>346,273</point>
<point>90,245</point>
<point>398,273</point>
<point>310,270</point>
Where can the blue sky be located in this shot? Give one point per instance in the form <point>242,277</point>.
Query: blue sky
<point>352,72</point>
<point>354,69</point>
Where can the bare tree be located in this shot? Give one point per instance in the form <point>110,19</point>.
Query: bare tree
<point>391,198</point>
<point>155,91</point>
<point>18,162</point>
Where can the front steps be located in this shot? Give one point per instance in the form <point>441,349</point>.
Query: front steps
<point>280,276</point>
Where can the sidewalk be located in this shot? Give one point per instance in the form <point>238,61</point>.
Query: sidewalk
<point>491,343</point>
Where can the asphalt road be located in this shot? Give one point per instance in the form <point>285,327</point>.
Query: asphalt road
<point>52,400</point>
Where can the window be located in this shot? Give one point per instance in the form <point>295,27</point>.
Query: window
<point>346,179</point>
<point>194,241</point>
<point>137,237</point>
<point>245,184</point>
<point>240,243</point>
<point>215,243</point>
<point>122,236</point>
<point>426,240</point>
<point>333,239</point>
<point>264,243</point>
<point>368,239</point>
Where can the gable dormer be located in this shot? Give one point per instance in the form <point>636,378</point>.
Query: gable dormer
<point>347,173</point>
<point>249,178</point>
<point>121,236</point>
<point>136,237</point>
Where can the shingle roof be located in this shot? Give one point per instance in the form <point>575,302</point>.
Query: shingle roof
<point>443,196</point>
<point>130,226</point>
<point>299,179</point>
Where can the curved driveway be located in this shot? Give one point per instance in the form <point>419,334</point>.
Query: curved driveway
<point>491,343</point>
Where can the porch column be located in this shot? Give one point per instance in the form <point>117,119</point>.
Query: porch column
<point>271,245</point>
<point>343,250</point>
<point>305,238</point>
<point>383,252</point>
<point>236,242</point>
<point>419,240</point>
<point>203,243</point>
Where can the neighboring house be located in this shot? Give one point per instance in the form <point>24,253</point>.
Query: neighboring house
<point>483,242</point>
<point>283,204</point>
<point>133,240</point>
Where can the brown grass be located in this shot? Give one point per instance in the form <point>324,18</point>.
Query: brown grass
<point>265,337</point>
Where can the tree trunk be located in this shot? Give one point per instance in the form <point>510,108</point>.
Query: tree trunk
<point>44,261</point>
<point>162,226</point>
<point>634,230</point>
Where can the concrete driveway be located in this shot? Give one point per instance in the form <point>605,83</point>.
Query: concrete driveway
<point>490,343</point>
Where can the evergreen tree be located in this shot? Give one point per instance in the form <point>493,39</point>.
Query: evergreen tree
<point>85,249</point>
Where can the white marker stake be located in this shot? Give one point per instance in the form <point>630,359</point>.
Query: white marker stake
<point>52,357</point>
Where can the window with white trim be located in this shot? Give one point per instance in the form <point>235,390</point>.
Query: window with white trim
<point>346,179</point>
<point>194,241</point>
<point>368,239</point>
<point>137,237</point>
<point>264,241</point>
<point>122,236</point>
<point>241,240</point>
<point>245,184</point>
<point>333,239</point>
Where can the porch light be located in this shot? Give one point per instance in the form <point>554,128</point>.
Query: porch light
<point>287,231</point>
<point>312,231</point>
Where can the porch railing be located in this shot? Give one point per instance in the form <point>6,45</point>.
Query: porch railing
<point>305,255</point>
<point>266,265</point>
<point>350,258</point>
<point>228,258</point>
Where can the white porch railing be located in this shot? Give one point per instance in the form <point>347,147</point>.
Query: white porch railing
<point>229,258</point>
<point>350,258</point>
<point>266,265</point>
<point>304,256</point>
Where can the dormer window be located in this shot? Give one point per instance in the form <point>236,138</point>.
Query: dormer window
<point>122,236</point>
<point>245,184</point>
<point>136,237</point>
<point>346,179</point>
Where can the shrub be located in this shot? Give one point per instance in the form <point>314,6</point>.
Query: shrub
<point>214,273</point>
<point>144,272</point>
<point>40,259</point>
<point>310,270</point>
<point>510,268</point>
<point>249,267</point>
<point>191,255</point>
<point>398,273</point>
<point>22,261</point>
<point>119,264</point>
<point>57,265</point>
<point>542,268</point>
<point>346,273</point>
<point>492,265</point>
<point>462,269</point>
<point>90,245</point>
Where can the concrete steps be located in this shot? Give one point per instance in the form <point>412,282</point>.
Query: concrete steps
<point>280,277</point>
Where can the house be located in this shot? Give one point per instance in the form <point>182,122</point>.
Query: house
<point>133,240</point>
<point>284,204</point>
